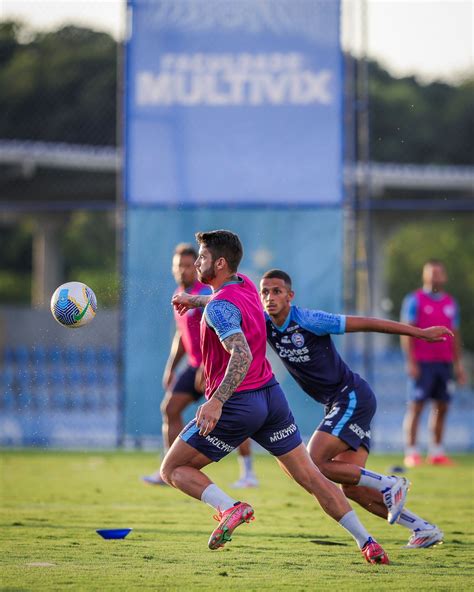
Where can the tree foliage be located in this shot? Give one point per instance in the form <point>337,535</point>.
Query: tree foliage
<point>424,124</point>
<point>58,86</point>
<point>452,241</point>
<point>62,86</point>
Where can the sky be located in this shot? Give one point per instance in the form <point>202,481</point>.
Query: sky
<point>432,39</point>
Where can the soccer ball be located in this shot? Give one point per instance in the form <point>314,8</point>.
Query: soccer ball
<point>73,305</point>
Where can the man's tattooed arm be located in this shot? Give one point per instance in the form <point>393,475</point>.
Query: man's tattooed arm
<point>237,368</point>
<point>184,302</point>
<point>198,300</point>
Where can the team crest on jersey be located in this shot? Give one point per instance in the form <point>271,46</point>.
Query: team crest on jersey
<point>297,339</point>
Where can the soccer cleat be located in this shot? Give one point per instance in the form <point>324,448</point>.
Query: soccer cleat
<point>153,479</point>
<point>373,552</point>
<point>394,498</point>
<point>228,522</point>
<point>421,539</point>
<point>413,460</point>
<point>245,482</point>
<point>440,459</point>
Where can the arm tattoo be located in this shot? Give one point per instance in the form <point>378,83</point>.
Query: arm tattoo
<point>199,300</point>
<point>237,368</point>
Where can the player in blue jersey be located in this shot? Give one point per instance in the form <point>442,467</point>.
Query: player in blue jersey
<point>341,443</point>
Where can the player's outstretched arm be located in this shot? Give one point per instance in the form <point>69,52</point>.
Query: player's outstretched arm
<point>184,302</point>
<point>355,324</point>
<point>240,359</point>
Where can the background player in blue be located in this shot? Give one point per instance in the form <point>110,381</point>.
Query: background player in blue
<point>341,443</point>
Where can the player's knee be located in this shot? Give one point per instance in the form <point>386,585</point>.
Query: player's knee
<point>164,407</point>
<point>166,472</point>
<point>169,409</point>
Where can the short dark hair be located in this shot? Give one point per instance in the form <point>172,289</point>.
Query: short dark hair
<point>434,262</point>
<point>278,274</point>
<point>222,243</point>
<point>186,249</point>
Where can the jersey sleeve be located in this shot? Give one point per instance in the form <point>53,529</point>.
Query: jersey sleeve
<point>409,312</point>
<point>456,317</point>
<point>224,317</point>
<point>205,291</point>
<point>320,322</point>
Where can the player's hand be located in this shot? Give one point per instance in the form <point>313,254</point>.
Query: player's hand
<point>460,373</point>
<point>182,303</point>
<point>208,415</point>
<point>433,334</point>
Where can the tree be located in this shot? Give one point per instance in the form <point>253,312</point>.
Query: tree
<point>451,241</point>
<point>415,123</point>
<point>59,86</point>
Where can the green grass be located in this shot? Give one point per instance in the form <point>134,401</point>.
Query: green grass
<point>52,503</point>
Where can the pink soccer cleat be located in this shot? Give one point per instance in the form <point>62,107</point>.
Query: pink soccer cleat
<point>374,553</point>
<point>413,460</point>
<point>228,522</point>
<point>440,459</point>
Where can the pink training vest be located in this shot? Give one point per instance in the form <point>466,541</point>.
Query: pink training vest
<point>245,297</point>
<point>434,312</point>
<point>188,327</point>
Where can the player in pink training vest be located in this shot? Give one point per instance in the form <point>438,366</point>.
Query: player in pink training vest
<point>185,388</point>
<point>244,400</point>
<point>432,367</point>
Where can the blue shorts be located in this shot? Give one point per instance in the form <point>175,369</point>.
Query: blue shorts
<point>263,415</point>
<point>349,416</point>
<point>435,382</point>
<point>185,383</point>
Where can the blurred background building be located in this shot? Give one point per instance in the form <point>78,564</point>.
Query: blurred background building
<point>79,199</point>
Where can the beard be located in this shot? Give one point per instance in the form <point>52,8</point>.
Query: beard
<point>206,276</point>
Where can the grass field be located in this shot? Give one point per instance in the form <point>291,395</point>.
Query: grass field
<point>52,503</point>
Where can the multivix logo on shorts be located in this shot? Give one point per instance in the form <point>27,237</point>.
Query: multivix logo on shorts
<point>219,444</point>
<point>281,434</point>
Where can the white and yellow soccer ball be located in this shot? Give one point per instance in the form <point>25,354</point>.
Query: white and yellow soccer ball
<point>73,305</point>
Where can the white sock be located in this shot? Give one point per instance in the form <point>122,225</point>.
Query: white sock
<point>246,466</point>
<point>410,450</point>
<point>412,521</point>
<point>436,450</point>
<point>216,498</point>
<point>353,525</point>
<point>375,480</point>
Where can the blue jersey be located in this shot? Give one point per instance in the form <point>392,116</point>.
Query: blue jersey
<point>305,347</point>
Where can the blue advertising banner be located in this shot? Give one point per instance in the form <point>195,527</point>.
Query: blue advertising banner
<point>305,242</point>
<point>234,102</point>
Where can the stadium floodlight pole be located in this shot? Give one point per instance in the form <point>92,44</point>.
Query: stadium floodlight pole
<point>350,160</point>
<point>120,218</point>
<point>365,239</point>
